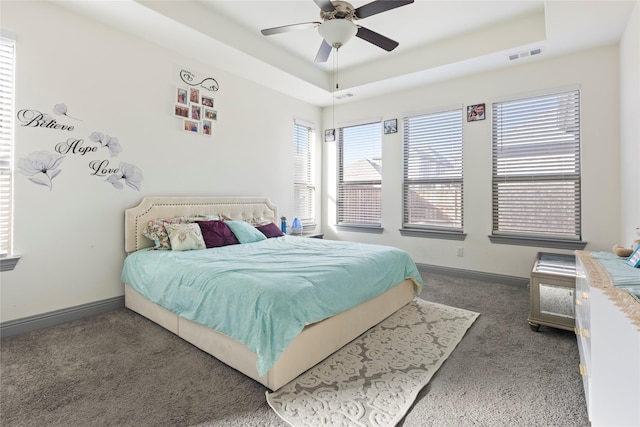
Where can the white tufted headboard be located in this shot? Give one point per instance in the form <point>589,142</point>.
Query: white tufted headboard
<point>237,208</point>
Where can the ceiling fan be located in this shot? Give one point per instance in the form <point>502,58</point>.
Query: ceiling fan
<point>338,26</point>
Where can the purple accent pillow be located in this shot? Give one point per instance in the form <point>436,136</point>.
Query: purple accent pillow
<point>270,230</point>
<point>217,233</point>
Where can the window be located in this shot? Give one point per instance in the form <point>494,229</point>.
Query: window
<point>303,188</point>
<point>360,177</point>
<point>432,182</point>
<point>536,171</point>
<point>7,47</point>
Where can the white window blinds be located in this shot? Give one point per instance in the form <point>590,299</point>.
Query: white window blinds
<point>536,167</point>
<point>360,175</point>
<point>303,187</point>
<point>432,182</point>
<point>6,141</point>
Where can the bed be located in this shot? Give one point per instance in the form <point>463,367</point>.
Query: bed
<point>313,342</point>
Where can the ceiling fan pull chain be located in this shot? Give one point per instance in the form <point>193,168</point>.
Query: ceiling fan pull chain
<point>335,85</point>
<point>337,69</point>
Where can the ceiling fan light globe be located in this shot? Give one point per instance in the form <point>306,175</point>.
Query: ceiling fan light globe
<point>337,32</point>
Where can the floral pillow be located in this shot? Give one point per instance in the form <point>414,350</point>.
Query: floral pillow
<point>155,229</point>
<point>185,237</point>
<point>256,221</point>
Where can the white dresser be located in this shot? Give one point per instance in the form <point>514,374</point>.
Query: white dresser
<point>608,331</point>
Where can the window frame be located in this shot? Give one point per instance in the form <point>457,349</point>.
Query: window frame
<point>303,174</point>
<point>8,260</point>
<point>558,117</point>
<point>444,129</point>
<point>370,128</point>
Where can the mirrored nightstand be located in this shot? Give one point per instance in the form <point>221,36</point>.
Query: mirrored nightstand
<point>552,286</point>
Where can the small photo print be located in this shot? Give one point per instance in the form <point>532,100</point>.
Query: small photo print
<point>192,126</point>
<point>206,127</point>
<point>181,96</point>
<point>194,96</point>
<point>207,101</point>
<point>390,126</point>
<point>195,112</point>
<point>329,135</point>
<point>180,110</point>
<point>475,112</point>
<point>210,114</point>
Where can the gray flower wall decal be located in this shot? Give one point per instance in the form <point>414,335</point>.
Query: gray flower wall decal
<point>62,110</point>
<point>107,141</point>
<point>131,175</point>
<point>42,167</point>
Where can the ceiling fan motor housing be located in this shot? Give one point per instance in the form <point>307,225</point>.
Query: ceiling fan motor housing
<point>343,10</point>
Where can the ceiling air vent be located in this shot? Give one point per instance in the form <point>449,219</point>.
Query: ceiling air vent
<point>345,95</point>
<point>525,53</point>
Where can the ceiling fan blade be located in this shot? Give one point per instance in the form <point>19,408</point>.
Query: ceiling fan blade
<point>325,5</point>
<point>287,28</point>
<point>323,52</point>
<point>379,6</point>
<point>377,39</point>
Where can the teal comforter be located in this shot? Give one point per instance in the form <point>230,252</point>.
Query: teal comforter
<point>264,293</point>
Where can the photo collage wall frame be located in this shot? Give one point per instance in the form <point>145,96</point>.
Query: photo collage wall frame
<point>196,110</point>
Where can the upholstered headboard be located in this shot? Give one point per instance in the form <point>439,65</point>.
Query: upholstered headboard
<point>237,208</point>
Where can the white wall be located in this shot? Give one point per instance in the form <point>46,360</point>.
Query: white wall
<point>595,72</point>
<point>71,238</point>
<point>630,129</point>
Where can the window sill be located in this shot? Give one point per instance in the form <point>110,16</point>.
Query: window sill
<point>361,228</point>
<point>433,234</point>
<point>9,263</point>
<point>538,241</point>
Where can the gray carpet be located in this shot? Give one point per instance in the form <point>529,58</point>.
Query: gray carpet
<point>119,369</point>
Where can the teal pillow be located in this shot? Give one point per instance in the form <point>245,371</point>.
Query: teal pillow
<point>245,232</point>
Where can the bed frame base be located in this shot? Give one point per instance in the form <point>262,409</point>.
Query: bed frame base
<point>315,343</point>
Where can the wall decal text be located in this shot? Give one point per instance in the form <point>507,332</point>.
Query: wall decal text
<point>74,146</point>
<point>34,118</point>
<point>42,166</point>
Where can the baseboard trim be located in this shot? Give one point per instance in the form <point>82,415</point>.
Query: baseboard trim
<point>473,275</point>
<point>53,318</point>
<point>46,320</point>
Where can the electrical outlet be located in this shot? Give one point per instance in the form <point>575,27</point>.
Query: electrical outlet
<point>460,252</point>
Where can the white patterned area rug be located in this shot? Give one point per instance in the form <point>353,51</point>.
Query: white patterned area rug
<point>374,380</point>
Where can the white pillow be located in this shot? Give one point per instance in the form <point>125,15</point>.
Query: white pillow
<point>185,237</point>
